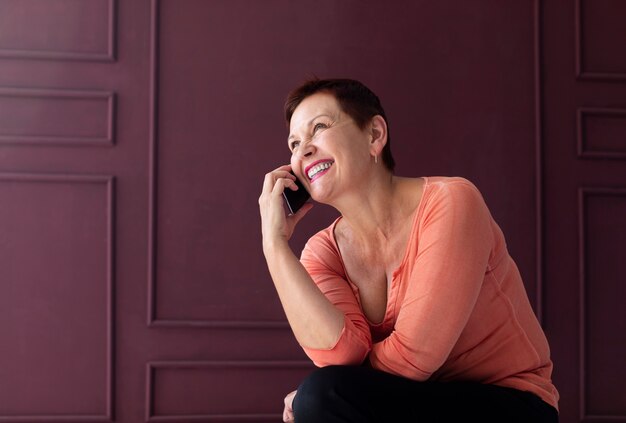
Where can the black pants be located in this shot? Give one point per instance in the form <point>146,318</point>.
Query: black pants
<point>364,395</point>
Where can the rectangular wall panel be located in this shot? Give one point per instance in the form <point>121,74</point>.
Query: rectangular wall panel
<point>601,35</point>
<point>56,326</point>
<point>601,133</point>
<point>56,117</point>
<point>205,258</point>
<point>220,390</point>
<point>602,328</point>
<point>65,29</point>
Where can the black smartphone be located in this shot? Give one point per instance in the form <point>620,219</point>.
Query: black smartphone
<point>296,199</point>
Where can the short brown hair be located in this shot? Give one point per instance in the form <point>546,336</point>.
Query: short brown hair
<point>354,98</point>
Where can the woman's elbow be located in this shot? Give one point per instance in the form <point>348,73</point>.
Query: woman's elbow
<point>343,361</point>
<point>353,357</point>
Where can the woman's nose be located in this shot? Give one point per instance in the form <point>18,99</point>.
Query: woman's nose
<point>306,149</point>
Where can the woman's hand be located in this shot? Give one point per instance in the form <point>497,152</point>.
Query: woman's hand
<point>276,225</point>
<point>288,412</point>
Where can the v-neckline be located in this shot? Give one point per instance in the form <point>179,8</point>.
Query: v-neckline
<point>391,288</point>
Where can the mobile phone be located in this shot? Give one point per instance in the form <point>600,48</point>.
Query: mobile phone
<point>296,199</point>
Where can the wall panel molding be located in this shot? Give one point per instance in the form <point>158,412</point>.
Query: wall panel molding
<point>537,42</point>
<point>585,143</point>
<point>582,71</point>
<point>61,53</point>
<point>584,193</point>
<point>152,319</point>
<point>63,130</point>
<point>244,366</point>
<point>107,181</point>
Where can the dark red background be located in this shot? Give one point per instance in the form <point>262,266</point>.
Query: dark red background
<point>134,136</point>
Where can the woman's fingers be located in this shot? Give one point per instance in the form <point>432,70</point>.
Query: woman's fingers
<point>275,223</point>
<point>282,172</point>
<point>269,183</point>
<point>288,416</point>
<point>281,184</point>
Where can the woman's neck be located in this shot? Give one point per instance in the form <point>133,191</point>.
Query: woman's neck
<point>372,214</point>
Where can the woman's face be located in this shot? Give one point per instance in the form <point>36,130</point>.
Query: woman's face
<point>329,151</point>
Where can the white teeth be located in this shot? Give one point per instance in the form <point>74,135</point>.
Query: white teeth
<point>316,169</point>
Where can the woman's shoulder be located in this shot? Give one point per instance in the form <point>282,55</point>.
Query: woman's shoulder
<point>451,194</point>
<point>454,187</point>
<point>447,181</point>
<point>322,248</point>
<point>427,186</point>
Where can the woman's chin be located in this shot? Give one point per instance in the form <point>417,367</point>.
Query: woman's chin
<point>320,196</point>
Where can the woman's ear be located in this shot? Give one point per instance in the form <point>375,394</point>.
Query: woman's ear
<point>378,134</point>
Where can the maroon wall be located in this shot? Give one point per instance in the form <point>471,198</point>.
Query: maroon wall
<point>134,136</point>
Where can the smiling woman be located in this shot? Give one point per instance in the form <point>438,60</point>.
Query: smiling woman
<point>409,301</point>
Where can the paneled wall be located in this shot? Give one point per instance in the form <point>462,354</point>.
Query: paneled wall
<point>584,127</point>
<point>57,212</point>
<point>134,137</point>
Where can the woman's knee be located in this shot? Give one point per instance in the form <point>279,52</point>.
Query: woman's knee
<point>318,386</point>
<point>317,394</point>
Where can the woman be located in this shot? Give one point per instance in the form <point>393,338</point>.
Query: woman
<point>409,302</point>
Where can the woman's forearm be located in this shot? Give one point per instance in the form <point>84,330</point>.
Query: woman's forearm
<point>315,321</point>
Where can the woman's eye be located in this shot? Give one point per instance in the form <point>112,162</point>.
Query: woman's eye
<point>294,144</point>
<point>319,126</point>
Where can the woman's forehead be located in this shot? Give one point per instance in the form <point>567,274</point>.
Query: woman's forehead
<point>312,106</point>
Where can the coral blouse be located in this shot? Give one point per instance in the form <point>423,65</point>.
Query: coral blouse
<point>456,306</point>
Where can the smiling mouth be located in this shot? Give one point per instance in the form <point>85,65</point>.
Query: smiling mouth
<point>318,170</point>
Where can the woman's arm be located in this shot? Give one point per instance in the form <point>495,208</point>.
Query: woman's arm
<point>321,260</point>
<point>453,251</point>
<point>315,321</point>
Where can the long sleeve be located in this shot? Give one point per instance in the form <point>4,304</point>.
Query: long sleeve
<point>453,244</point>
<point>354,343</point>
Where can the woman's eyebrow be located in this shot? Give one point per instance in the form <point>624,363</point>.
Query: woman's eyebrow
<point>309,123</point>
